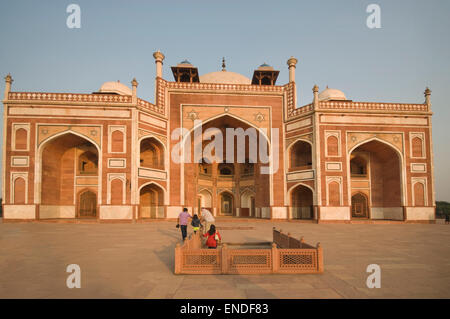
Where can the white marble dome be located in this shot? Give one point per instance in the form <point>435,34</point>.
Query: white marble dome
<point>331,94</point>
<point>115,87</point>
<point>224,77</point>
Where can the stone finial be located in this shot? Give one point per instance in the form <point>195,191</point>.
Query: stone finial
<point>159,57</point>
<point>292,61</point>
<point>427,94</point>
<point>134,85</point>
<point>8,78</point>
<point>8,81</point>
<point>223,64</point>
<point>316,96</point>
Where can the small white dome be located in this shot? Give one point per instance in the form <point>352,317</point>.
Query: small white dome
<point>225,77</point>
<point>115,87</point>
<point>331,94</point>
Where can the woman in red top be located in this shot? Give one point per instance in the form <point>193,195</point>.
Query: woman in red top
<point>211,241</point>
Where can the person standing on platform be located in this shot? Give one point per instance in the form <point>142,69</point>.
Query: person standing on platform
<point>183,220</point>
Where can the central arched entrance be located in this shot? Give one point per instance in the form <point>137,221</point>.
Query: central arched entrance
<point>228,173</point>
<point>68,161</point>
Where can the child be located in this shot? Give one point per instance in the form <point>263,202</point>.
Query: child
<point>213,237</point>
<point>196,224</point>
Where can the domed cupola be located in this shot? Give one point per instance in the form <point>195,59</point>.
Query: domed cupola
<point>114,88</point>
<point>224,77</point>
<point>331,95</point>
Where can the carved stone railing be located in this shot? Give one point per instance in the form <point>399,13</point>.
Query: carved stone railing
<point>285,255</point>
<point>69,97</point>
<point>301,110</point>
<point>225,87</point>
<point>350,105</point>
<point>85,98</point>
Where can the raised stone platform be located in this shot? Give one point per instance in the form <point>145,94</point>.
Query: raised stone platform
<point>136,261</point>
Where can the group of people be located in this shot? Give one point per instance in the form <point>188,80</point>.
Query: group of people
<point>209,229</point>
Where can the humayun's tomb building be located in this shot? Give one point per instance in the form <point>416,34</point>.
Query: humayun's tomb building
<point>108,155</point>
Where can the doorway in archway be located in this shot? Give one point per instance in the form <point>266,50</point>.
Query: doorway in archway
<point>360,207</point>
<point>151,202</point>
<point>226,204</point>
<point>302,203</point>
<point>87,206</point>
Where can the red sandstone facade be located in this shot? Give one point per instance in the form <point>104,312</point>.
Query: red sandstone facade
<point>108,155</point>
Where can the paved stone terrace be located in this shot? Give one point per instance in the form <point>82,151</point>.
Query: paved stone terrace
<point>137,261</point>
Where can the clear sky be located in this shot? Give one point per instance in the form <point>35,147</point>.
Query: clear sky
<point>330,38</point>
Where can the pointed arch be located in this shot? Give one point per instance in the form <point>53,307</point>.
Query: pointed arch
<point>360,205</point>
<point>399,153</point>
<point>152,199</point>
<point>227,202</point>
<point>189,132</point>
<point>39,165</point>
<point>419,194</point>
<point>185,151</point>
<point>54,136</point>
<point>206,198</point>
<point>19,190</point>
<point>152,152</point>
<point>86,203</point>
<point>385,178</point>
<point>289,193</point>
<point>154,183</point>
<point>155,137</point>
<point>301,202</point>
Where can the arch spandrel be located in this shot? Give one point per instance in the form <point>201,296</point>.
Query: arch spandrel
<point>93,133</point>
<point>258,117</point>
<point>145,134</point>
<point>292,140</point>
<point>393,139</point>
